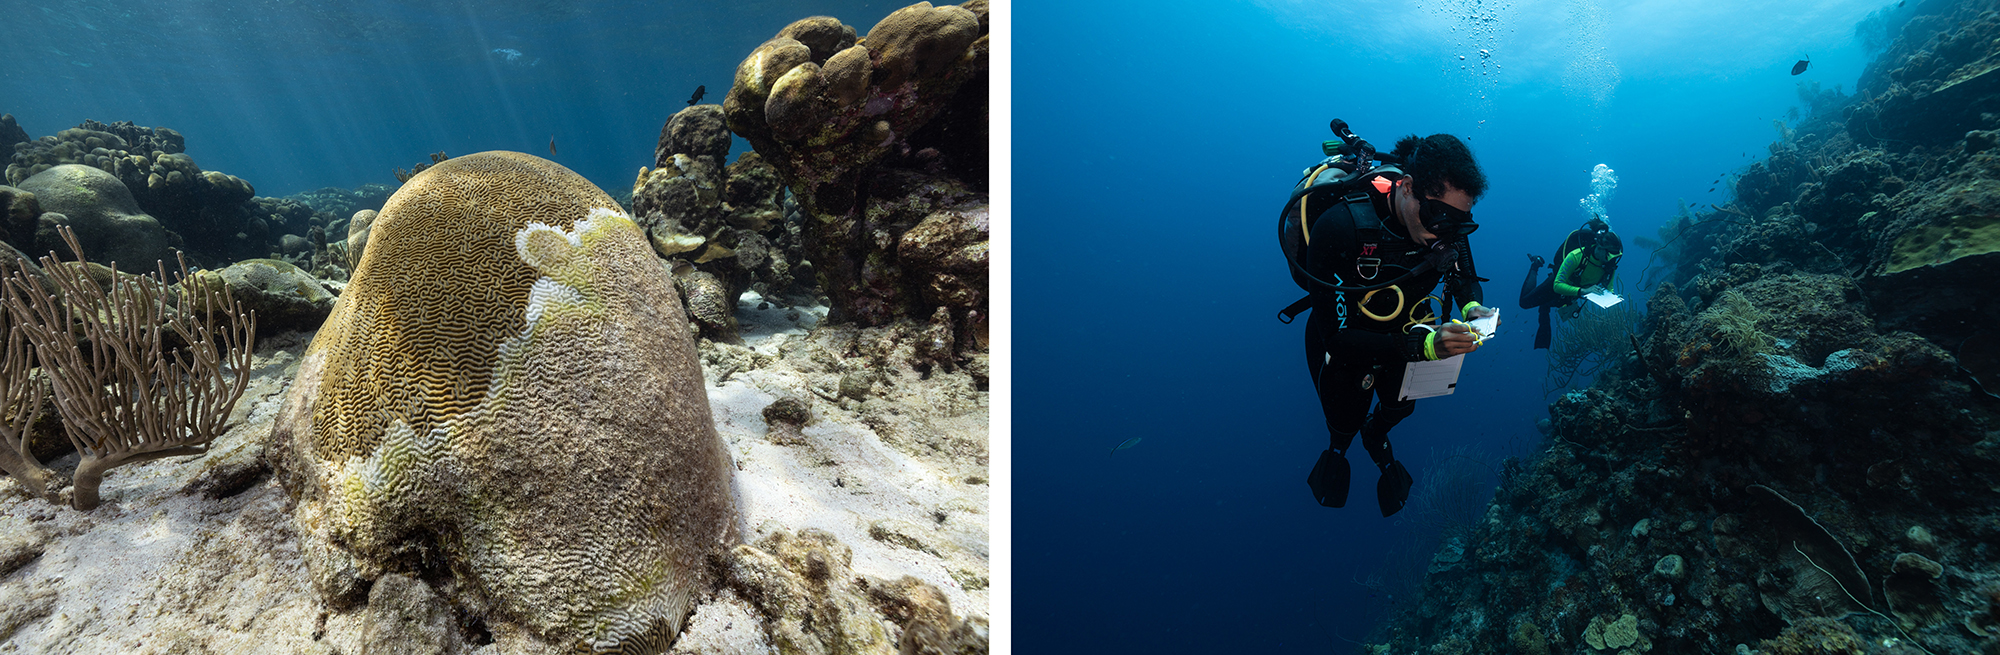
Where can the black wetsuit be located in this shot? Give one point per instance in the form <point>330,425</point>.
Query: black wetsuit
<point>1543,297</point>
<point>1344,345</point>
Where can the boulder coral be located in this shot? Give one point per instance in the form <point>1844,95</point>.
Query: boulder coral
<point>874,135</point>
<point>506,397</point>
<point>823,105</point>
<point>108,223</point>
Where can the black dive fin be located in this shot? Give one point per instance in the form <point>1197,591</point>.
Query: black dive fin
<point>1393,489</point>
<point>1329,479</point>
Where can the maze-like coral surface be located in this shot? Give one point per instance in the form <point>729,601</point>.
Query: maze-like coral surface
<point>440,287</point>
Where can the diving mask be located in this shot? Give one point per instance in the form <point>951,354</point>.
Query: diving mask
<point>1447,221</point>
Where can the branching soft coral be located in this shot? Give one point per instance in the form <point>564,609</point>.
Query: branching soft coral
<point>1585,344</point>
<point>1733,326</point>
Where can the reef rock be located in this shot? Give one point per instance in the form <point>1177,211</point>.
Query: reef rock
<point>515,407</point>
<point>846,122</point>
<point>100,209</point>
<point>723,221</point>
<point>357,236</point>
<point>11,133</point>
<point>208,213</point>
<point>1940,78</point>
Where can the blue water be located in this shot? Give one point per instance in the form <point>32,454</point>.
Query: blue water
<point>1153,145</point>
<point>295,96</point>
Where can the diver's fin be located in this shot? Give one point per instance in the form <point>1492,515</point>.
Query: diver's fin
<point>1329,479</point>
<point>1393,489</point>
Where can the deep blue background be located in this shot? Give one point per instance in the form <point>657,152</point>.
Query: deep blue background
<point>1153,145</point>
<point>295,95</point>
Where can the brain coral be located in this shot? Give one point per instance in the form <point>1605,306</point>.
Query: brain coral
<point>507,390</point>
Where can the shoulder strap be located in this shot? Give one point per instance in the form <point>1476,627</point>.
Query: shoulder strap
<point>1572,242</point>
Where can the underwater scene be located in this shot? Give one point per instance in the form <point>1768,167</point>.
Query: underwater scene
<point>1760,237</point>
<point>497,327</point>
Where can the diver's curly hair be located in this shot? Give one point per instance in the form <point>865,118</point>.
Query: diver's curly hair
<point>1437,159</point>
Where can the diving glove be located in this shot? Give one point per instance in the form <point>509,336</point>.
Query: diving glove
<point>1393,489</point>
<point>1329,479</point>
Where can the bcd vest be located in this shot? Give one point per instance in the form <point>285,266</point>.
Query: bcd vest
<point>1342,252</point>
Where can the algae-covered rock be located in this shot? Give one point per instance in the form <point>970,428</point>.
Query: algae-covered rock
<point>405,616</point>
<point>283,296</point>
<point>18,211</point>
<point>1956,237</point>
<point>1672,567</point>
<point>812,601</point>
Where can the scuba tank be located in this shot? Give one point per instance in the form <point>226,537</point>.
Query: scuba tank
<point>1353,174</point>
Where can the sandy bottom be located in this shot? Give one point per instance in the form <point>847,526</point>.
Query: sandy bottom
<point>196,555</point>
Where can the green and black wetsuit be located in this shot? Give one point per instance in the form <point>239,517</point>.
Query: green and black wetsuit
<point>1581,268</point>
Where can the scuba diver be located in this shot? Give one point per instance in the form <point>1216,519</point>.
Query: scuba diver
<point>1588,261</point>
<point>1369,240</point>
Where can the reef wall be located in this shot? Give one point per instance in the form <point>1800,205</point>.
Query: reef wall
<point>1799,453</point>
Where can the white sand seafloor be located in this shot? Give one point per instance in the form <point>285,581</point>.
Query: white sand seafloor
<point>198,555</point>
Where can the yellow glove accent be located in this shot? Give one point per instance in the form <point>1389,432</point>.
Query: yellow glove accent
<point>1430,346</point>
<point>1467,310</point>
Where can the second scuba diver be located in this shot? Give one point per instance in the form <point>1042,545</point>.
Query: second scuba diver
<point>1370,259</point>
<point>1587,262</point>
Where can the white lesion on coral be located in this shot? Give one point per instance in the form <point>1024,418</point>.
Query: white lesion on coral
<point>546,294</point>
<point>589,221</point>
<point>542,246</point>
<point>402,472</point>
<point>545,247</point>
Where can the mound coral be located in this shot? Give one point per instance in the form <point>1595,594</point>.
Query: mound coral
<point>515,404</point>
<point>108,223</point>
<point>847,123</point>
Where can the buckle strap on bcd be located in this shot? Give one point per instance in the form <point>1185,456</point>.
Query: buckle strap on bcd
<point>1368,233</point>
<point>1292,311</point>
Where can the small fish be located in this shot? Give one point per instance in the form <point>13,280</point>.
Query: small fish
<point>1134,441</point>
<point>1711,189</point>
<point>552,145</point>
<point>1801,66</point>
<point>700,90</point>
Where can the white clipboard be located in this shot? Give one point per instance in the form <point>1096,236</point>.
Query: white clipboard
<point>1604,299</point>
<point>1430,379</point>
